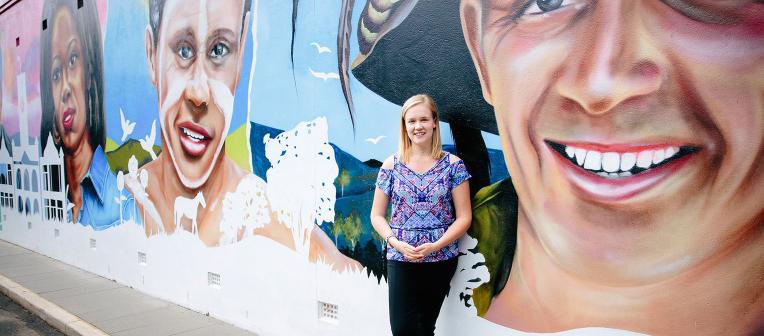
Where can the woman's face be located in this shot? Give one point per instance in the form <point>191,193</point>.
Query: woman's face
<point>633,130</point>
<point>198,59</point>
<point>420,125</point>
<point>68,75</point>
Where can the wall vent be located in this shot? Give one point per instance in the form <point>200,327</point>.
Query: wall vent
<point>328,312</point>
<point>92,243</point>
<point>29,225</point>
<point>56,233</point>
<point>213,280</point>
<point>142,258</point>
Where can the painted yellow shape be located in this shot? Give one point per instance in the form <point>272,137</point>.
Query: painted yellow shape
<point>111,145</point>
<point>237,148</point>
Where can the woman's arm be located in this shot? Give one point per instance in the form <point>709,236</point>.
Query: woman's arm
<point>379,222</point>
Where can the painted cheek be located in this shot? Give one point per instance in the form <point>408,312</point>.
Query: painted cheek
<point>171,100</point>
<point>223,99</point>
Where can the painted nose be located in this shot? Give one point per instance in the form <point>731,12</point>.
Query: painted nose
<point>197,89</point>
<point>610,66</point>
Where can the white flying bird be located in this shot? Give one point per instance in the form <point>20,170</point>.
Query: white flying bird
<point>148,143</point>
<point>375,140</point>
<point>320,49</point>
<point>127,125</point>
<point>324,75</point>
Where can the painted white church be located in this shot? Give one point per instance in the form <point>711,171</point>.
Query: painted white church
<point>30,184</point>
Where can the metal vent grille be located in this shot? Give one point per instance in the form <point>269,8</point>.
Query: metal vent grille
<point>56,233</point>
<point>141,258</point>
<point>328,312</point>
<point>213,279</point>
<point>92,243</point>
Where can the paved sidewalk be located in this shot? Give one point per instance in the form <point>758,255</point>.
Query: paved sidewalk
<point>81,303</point>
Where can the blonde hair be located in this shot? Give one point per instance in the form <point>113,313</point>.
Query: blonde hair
<point>404,146</point>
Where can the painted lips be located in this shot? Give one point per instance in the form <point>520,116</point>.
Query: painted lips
<point>194,139</point>
<point>619,172</point>
<point>68,119</point>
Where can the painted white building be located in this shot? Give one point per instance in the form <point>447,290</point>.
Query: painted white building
<point>7,192</point>
<point>53,190</point>
<point>26,167</point>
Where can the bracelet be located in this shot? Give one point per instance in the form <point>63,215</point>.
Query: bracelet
<point>387,239</point>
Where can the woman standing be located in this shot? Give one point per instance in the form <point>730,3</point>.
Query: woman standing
<point>429,196</point>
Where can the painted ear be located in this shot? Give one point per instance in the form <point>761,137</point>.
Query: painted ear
<point>56,136</point>
<point>472,26</point>
<point>151,55</point>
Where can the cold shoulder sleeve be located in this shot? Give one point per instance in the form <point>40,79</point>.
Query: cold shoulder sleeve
<point>459,173</point>
<point>385,180</point>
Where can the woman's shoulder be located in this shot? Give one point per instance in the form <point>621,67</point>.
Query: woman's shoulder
<point>452,158</point>
<point>388,163</point>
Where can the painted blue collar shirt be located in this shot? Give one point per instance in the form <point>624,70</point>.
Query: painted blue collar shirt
<point>102,206</point>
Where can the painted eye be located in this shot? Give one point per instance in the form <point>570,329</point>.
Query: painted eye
<point>56,74</point>
<point>544,6</point>
<point>73,60</point>
<point>185,52</point>
<point>219,50</point>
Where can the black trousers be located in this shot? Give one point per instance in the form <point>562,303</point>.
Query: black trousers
<point>416,293</point>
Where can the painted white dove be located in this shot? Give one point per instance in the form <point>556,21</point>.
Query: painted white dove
<point>320,49</point>
<point>148,143</point>
<point>127,125</point>
<point>375,140</point>
<point>324,75</point>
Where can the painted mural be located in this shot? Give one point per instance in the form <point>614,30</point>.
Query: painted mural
<point>222,155</point>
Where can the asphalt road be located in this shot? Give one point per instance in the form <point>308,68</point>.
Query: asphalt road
<point>17,321</point>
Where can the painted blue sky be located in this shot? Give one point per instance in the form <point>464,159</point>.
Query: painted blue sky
<point>277,98</point>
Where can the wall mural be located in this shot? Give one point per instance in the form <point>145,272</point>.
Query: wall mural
<point>223,154</point>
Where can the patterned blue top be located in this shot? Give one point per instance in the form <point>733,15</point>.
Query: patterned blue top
<point>421,204</point>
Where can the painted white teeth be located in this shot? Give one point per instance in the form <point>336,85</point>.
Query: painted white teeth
<point>618,165</point>
<point>645,159</point>
<point>192,134</point>
<point>671,151</point>
<point>628,160</point>
<point>611,162</point>
<point>570,151</point>
<point>580,156</point>
<point>593,160</point>
<point>659,156</point>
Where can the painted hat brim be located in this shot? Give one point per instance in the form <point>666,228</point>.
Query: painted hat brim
<point>424,51</point>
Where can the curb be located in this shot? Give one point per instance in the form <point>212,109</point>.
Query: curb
<point>51,313</point>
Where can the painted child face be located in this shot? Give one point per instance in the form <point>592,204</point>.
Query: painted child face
<point>633,130</point>
<point>196,68</point>
<point>420,124</point>
<point>68,73</point>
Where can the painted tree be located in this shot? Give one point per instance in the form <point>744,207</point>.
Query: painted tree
<point>343,180</point>
<point>337,226</point>
<point>352,229</point>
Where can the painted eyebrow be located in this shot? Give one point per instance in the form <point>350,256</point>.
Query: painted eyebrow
<point>515,10</point>
<point>226,34</point>
<point>70,45</point>
<point>186,34</point>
